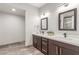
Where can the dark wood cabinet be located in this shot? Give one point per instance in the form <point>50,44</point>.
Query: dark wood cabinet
<point>37,42</point>
<point>45,46</point>
<point>67,51</point>
<point>53,47</point>
<point>60,48</point>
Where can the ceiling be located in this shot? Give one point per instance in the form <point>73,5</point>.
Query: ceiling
<point>8,9</point>
<point>37,4</point>
<point>20,7</point>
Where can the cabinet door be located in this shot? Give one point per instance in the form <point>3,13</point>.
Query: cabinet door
<point>34,41</point>
<point>66,51</point>
<point>53,49</point>
<point>45,46</point>
<point>39,43</point>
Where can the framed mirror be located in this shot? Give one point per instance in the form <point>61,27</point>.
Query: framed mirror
<point>44,23</point>
<point>67,20</point>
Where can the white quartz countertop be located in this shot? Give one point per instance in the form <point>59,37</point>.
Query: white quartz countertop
<point>69,40</point>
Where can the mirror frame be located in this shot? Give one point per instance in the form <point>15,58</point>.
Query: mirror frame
<point>45,24</point>
<point>75,18</point>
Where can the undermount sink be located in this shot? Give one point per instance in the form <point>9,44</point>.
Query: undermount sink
<point>69,39</point>
<point>61,37</point>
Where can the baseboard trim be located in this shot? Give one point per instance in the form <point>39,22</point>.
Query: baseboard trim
<point>28,46</point>
<point>12,44</point>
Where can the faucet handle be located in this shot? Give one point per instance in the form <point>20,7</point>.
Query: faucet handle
<point>42,32</point>
<point>65,35</point>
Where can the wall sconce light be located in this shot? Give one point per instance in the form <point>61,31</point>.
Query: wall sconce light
<point>45,14</point>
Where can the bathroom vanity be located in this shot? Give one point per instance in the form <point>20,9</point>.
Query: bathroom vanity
<point>55,45</point>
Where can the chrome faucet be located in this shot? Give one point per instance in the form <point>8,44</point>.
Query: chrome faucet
<point>42,32</point>
<point>65,35</point>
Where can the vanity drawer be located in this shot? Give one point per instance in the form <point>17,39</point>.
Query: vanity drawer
<point>44,39</point>
<point>44,49</point>
<point>45,45</point>
<point>44,42</point>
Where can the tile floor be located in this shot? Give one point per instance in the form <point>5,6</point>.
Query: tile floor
<point>19,49</point>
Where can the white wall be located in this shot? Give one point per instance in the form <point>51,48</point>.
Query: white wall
<point>31,20</point>
<point>54,9</point>
<point>11,28</point>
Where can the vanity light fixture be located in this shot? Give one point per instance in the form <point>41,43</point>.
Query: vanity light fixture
<point>13,9</point>
<point>45,14</point>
